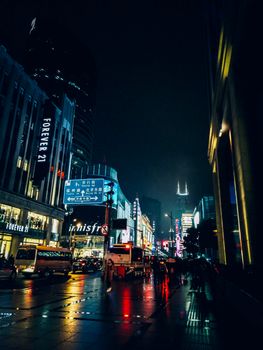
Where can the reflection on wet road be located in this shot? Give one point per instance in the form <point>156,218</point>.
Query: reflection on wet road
<point>75,312</point>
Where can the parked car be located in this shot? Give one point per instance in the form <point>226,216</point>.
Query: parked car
<point>7,270</point>
<point>84,265</point>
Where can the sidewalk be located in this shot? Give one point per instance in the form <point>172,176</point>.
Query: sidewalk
<point>194,320</point>
<point>187,322</point>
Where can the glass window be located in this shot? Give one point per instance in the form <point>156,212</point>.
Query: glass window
<point>53,255</point>
<point>120,250</point>
<point>36,221</point>
<point>26,254</point>
<point>9,214</point>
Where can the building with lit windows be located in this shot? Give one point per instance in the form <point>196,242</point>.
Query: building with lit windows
<point>205,210</point>
<point>147,238</point>
<point>182,200</point>
<point>35,142</point>
<point>82,228</point>
<point>143,228</point>
<point>61,65</point>
<point>235,139</point>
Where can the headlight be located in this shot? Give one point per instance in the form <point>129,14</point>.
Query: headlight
<point>30,269</point>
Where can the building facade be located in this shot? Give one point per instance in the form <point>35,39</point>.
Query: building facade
<point>143,229</point>
<point>205,210</point>
<point>61,65</point>
<point>34,150</point>
<point>83,225</point>
<point>235,140</point>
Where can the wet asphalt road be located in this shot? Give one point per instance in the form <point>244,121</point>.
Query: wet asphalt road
<point>76,313</point>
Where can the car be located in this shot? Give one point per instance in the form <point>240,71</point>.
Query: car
<point>84,265</point>
<point>8,271</point>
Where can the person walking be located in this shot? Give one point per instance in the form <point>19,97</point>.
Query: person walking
<point>163,271</point>
<point>11,260</point>
<point>109,274</point>
<point>155,268</point>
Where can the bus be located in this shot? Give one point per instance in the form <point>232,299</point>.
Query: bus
<point>43,260</point>
<point>129,261</point>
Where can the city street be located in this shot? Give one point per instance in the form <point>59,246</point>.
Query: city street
<point>75,313</point>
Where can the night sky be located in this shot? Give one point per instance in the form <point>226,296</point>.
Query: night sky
<point>152,117</point>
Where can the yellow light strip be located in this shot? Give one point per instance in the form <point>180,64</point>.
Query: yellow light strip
<point>220,45</point>
<point>227,62</point>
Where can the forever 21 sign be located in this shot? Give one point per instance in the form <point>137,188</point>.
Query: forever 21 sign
<point>44,143</point>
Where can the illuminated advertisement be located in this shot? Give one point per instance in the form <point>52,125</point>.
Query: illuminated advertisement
<point>187,222</point>
<point>45,143</point>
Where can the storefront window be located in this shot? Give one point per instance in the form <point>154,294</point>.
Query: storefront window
<point>9,214</point>
<point>88,246</point>
<point>5,245</point>
<point>36,221</point>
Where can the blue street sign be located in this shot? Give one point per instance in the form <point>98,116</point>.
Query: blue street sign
<point>84,191</point>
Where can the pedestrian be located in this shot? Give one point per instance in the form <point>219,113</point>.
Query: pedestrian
<point>155,268</point>
<point>109,274</point>
<point>11,260</point>
<point>163,271</point>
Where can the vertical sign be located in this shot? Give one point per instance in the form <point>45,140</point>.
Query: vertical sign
<point>44,146</point>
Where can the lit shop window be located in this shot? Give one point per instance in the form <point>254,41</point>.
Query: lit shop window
<point>9,214</point>
<point>36,221</point>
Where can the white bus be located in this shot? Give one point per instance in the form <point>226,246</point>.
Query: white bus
<point>129,261</point>
<point>43,260</point>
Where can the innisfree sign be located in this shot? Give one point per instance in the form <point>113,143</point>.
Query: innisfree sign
<point>84,192</point>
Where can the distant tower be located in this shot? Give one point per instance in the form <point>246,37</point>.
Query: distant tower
<point>182,200</point>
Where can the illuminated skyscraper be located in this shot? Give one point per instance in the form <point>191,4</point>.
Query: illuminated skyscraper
<point>182,203</point>
<point>60,64</point>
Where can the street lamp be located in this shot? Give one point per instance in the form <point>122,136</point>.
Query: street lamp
<point>171,231</point>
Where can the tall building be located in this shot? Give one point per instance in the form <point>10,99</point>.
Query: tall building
<point>38,38</point>
<point>60,64</point>
<point>235,139</point>
<point>182,202</point>
<point>84,222</point>
<point>35,139</point>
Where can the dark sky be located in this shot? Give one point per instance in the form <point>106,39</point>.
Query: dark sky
<point>152,118</point>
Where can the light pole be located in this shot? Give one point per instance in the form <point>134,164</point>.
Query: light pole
<point>171,231</point>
